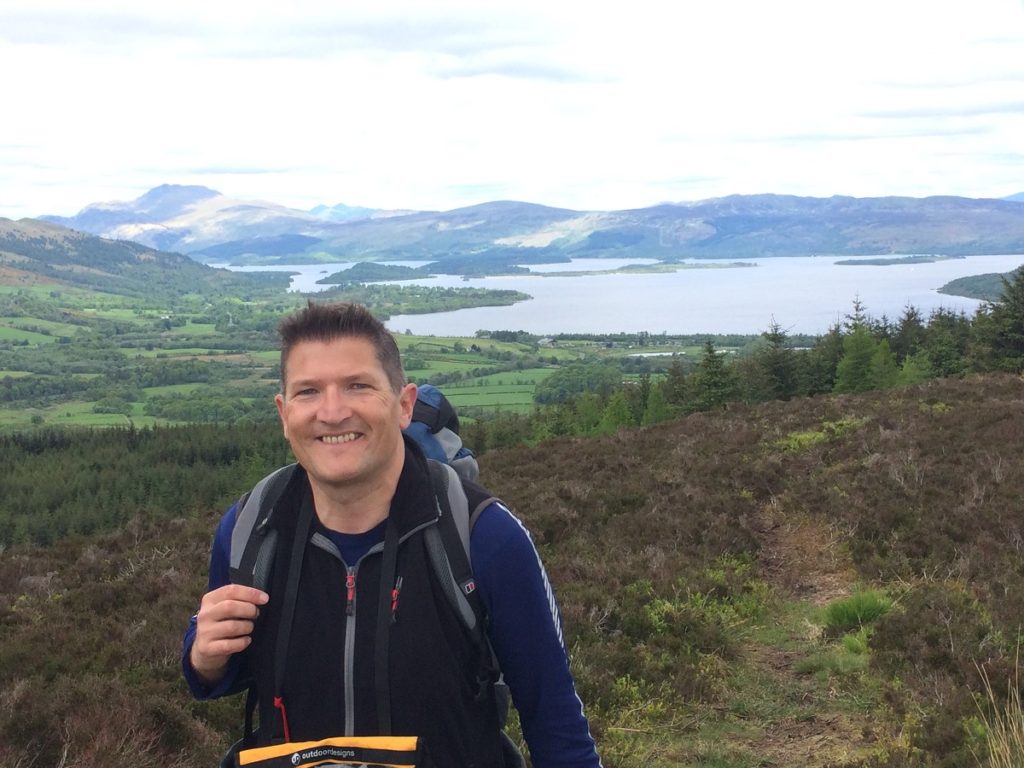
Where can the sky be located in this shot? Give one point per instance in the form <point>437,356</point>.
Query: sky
<point>441,104</point>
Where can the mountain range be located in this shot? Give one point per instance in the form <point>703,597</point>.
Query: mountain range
<point>212,227</point>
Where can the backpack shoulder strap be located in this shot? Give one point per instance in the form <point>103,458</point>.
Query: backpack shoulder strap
<point>448,547</point>
<point>253,546</point>
<point>253,542</point>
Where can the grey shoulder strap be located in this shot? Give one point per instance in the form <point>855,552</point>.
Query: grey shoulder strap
<point>453,528</point>
<point>252,545</point>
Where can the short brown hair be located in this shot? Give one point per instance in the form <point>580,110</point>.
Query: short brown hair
<point>326,322</point>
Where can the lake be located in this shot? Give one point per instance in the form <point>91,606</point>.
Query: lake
<point>802,294</point>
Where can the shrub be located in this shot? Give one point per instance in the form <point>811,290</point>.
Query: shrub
<point>932,647</point>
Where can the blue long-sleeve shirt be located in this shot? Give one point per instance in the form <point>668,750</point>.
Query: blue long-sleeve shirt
<point>525,631</point>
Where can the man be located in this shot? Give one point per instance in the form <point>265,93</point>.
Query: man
<point>367,491</point>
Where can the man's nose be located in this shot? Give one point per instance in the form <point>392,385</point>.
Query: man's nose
<point>334,406</point>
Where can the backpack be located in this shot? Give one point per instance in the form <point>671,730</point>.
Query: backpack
<point>435,427</point>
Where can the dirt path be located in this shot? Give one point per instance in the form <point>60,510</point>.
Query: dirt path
<point>804,562</point>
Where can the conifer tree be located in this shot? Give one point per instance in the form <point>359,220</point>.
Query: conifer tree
<point>853,374</point>
<point>817,368</point>
<point>778,364</point>
<point>658,409</point>
<point>885,372</point>
<point>637,396</point>
<point>616,414</point>
<point>1008,325</point>
<point>587,410</point>
<point>910,333</point>
<point>713,384</point>
<point>675,384</point>
<point>944,355</point>
<point>915,368</point>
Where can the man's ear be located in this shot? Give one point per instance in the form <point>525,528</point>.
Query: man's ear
<point>279,402</point>
<point>407,401</point>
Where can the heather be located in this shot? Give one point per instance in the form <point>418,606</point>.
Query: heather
<point>697,562</point>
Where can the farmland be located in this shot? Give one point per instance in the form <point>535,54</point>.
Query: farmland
<point>71,357</point>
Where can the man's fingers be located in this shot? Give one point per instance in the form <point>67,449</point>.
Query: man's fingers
<point>236,592</point>
<point>224,626</point>
<point>246,594</point>
<point>225,646</point>
<point>226,610</point>
<point>226,630</point>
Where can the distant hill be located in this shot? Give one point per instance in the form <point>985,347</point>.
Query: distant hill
<point>491,236</point>
<point>34,252</point>
<point>1019,197</point>
<point>341,212</point>
<point>188,218</point>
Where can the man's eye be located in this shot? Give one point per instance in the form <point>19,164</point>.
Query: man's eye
<point>304,392</point>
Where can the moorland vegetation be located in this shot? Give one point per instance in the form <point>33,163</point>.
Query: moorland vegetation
<point>824,581</point>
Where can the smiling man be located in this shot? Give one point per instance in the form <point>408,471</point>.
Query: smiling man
<point>352,634</point>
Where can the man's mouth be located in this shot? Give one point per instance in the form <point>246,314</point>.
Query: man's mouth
<point>348,437</point>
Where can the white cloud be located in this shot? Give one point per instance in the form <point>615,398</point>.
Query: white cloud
<point>598,105</point>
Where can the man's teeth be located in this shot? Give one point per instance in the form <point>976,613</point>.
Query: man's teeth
<point>334,439</point>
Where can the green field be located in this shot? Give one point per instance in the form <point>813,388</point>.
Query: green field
<point>446,365</point>
<point>517,399</point>
<point>195,329</point>
<point>177,389</point>
<point>39,290</point>
<point>443,344</point>
<point>69,414</point>
<point>511,390</point>
<point>7,333</point>
<point>171,352</point>
<point>57,329</point>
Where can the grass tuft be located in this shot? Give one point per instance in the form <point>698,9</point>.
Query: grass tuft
<point>857,610</point>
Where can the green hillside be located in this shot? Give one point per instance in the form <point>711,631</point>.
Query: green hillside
<point>819,582</point>
<point>988,287</point>
<point>37,253</point>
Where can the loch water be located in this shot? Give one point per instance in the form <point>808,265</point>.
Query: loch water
<point>802,294</point>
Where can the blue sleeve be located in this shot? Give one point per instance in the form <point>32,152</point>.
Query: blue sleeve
<point>220,557</point>
<point>526,633</point>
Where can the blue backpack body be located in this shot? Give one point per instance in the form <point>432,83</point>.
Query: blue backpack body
<point>435,427</point>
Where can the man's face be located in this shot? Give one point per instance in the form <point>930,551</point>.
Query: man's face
<point>340,414</point>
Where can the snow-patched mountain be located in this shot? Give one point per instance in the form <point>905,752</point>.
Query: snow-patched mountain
<point>187,219</point>
<point>493,236</point>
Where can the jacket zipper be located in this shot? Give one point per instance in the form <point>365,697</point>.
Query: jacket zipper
<point>350,649</point>
<point>349,662</point>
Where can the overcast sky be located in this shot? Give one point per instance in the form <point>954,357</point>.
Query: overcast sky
<point>439,104</point>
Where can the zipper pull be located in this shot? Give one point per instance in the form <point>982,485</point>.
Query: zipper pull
<point>350,584</point>
<point>394,599</point>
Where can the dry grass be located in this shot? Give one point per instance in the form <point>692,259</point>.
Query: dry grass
<point>1004,725</point>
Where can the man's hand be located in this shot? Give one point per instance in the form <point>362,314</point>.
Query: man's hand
<point>224,627</point>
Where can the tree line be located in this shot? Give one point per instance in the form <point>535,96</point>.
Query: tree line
<point>858,355</point>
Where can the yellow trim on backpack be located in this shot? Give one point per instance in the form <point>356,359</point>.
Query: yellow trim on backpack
<point>400,751</point>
